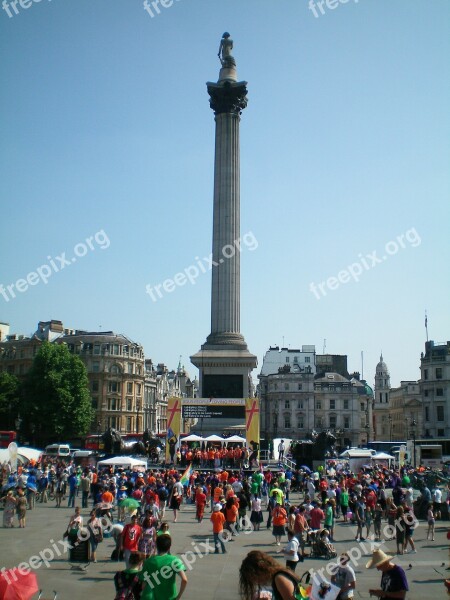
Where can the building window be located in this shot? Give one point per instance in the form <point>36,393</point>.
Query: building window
<point>95,386</point>
<point>129,404</point>
<point>276,386</point>
<point>425,393</point>
<point>114,370</point>
<point>138,389</point>
<point>113,422</point>
<point>296,359</point>
<point>114,386</point>
<point>439,391</point>
<point>300,386</point>
<point>346,422</point>
<point>287,359</point>
<point>287,404</point>
<point>287,421</point>
<point>386,397</point>
<point>425,373</point>
<point>427,413</point>
<point>438,372</point>
<point>439,413</point>
<point>95,367</point>
<point>318,405</point>
<point>333,421</point>
<point>362,407</point>
<point>345,404</point>
<point>440,433</point>
<point>307,359</point>
<point>332,404</point>
<point>286,386</point>
<point>319,422</point>
<point>300,422</point>
<point>381,397</point>
<point>97,349</point>
<point>94,402</point>
<point>11,369</point>
<point>129,388</point>
<point>300,404</point>
<point>113,404</point>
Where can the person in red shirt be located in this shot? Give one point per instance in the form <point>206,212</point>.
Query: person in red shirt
<point>316,515</point>
<point>218,519</point>
<point>129,539</point>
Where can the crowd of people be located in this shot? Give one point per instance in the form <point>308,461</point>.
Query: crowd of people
<point>231,499</point>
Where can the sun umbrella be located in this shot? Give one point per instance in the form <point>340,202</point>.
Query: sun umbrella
<point>31,487</point>
<point>15,585</point>
<point>129,503</point>
<point>305,468</point>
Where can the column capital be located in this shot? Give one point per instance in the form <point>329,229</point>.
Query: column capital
<point>227,97</point>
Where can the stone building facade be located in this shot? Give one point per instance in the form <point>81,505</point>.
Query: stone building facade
<point>295,400</point>
<point>405,413</point>
<point>435,389</point>
<point>382,418</point>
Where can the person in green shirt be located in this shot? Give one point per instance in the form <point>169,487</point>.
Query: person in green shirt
<point>158,575</point>
<point>129,578</point>
<point>278,494</point>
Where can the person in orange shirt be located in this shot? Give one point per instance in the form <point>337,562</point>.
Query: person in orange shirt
<point>279,517</point>
<point>200,501</point>
<point>107,496</point>
<point>231,514</point>
<point>218,520</point>
<point>211,457</point>
<point>218,491</point>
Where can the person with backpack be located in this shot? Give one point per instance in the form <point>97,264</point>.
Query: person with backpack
<point>127,582</point>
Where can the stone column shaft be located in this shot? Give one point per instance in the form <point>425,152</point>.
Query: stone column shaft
<point>225,290</point>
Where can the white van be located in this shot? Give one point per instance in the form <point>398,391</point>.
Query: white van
<point>58,450</point>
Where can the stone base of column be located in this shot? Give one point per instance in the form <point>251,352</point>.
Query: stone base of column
<point>224,371</point>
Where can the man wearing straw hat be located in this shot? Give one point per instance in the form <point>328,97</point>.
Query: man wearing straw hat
<point>393,579</point>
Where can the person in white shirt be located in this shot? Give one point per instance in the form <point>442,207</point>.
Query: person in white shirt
<point>344,577</point>
<point>281,449</point>
<point>291,551</point>
<point>311,488</point>
<point>437,499</point>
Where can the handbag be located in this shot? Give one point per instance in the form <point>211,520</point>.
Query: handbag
<point>302,589</point>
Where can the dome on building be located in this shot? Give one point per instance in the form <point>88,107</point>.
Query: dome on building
<point>382,366</point>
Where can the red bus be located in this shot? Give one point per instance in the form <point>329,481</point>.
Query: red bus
<point>6,437</point>
<point>94,442</point>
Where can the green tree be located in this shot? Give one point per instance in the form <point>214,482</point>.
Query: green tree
<point>56,399</point>
<point>9,400</point>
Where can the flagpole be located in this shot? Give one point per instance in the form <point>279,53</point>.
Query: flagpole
<point>426,324</point>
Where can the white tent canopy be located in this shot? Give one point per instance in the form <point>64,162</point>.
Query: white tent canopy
<point>382,456</point>
<point>122,461</point>
<point>214,438</point>
<point>236,438</point>
<point>357,453</point>
<point>193,438</point>
<point>24,455</point>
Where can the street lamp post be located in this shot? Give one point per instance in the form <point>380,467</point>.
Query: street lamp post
<point>99,425</point>
<point>138,410</point>
<point>413,430</point>
<point>390,427</point>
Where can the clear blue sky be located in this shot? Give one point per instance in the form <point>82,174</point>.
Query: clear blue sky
<point>105,125</point>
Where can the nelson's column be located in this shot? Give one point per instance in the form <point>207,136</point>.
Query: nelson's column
<point>224,361</point>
